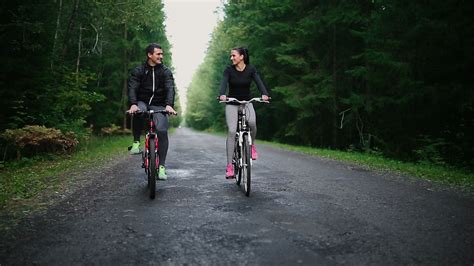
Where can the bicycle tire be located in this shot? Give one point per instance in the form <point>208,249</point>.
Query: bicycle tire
<point>152,167</point>
<point>144,165</point>
<point>236,164</point>
<point>246,166</point>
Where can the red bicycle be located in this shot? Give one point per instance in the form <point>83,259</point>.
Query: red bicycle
<point>150,154</point>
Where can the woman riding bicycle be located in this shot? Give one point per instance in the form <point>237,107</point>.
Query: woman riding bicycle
<point>238,78</point>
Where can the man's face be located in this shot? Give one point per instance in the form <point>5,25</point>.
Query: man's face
<point>157,56</point>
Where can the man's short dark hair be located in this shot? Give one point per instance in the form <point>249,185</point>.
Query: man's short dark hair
<point>151,48</point>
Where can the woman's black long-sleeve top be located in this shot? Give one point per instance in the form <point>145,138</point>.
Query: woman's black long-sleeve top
<point>239,82</point>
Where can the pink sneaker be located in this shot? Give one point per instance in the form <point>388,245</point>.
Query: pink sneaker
<point>254,153</point>
<point>229,172</point>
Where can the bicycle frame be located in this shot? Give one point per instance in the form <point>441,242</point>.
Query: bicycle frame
<point>243,129</point>
<point>151,134</point>
<point>150,158</point>
<point>242,161</point>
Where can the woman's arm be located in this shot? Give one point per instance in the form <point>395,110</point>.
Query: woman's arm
<point>224,82</point>
<point>259,82</point>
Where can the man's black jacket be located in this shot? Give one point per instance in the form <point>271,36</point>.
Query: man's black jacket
<point>140,85</point>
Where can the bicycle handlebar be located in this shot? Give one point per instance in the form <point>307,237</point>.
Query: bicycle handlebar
<point>150,112</point>
<point>234,100</point>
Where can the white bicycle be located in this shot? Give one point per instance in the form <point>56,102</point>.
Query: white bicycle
<point>242,159</point>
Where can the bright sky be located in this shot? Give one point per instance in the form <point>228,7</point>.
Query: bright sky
<point>189,24</point>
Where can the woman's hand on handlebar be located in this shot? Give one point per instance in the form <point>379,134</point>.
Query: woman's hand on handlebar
<point>265,98</point>
<point>222,98</point>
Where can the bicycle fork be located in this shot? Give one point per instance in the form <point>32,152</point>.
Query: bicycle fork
<point>147,149</point>
<point>241,145</point>
<point>241,133</point>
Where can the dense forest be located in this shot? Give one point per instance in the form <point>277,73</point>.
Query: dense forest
<point>65,62</point>
<point>382,76</point>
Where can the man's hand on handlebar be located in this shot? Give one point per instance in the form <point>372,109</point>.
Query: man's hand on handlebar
<point>170,110</point>
<point>222,98</point>
<point>133,109</point>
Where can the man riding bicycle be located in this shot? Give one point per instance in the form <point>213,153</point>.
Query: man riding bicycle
<point>151,86</point>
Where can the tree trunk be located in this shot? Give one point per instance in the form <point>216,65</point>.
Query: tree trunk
<point>334,85</point>
<point>125,74</point>
<point>56,33</point>
<point>78,59</point>
<point>69,27</point>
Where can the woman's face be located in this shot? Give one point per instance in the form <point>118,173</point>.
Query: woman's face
<point>235,57</point>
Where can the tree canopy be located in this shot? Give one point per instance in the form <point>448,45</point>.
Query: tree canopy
<point>382,76</point>
<point>65,62</point>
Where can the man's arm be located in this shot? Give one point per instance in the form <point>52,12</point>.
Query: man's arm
<point>169,88</point>
<point>133,85</point>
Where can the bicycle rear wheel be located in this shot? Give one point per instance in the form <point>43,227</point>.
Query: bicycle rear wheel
<point>152,168</point>
<point>246,166</point>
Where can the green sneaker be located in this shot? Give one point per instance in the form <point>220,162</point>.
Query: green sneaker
<point>162,173</point>
<point>135,148</point>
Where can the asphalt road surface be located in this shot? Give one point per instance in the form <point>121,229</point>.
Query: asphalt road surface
<point>302,210</point>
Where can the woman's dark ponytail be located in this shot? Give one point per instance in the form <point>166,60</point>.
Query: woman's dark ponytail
<point>245,52</point>
<point>246,56</point>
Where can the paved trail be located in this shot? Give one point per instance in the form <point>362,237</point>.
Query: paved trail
<point>302,210</point>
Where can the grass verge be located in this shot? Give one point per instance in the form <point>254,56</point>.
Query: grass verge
<point>442,174</point>
<point>23,181</point>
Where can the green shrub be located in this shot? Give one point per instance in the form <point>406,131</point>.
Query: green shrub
<point>34,140</point>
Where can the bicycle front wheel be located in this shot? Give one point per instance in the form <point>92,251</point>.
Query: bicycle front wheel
<point>152,167</point>
<point>236,163</point>
<point>246,166</point>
